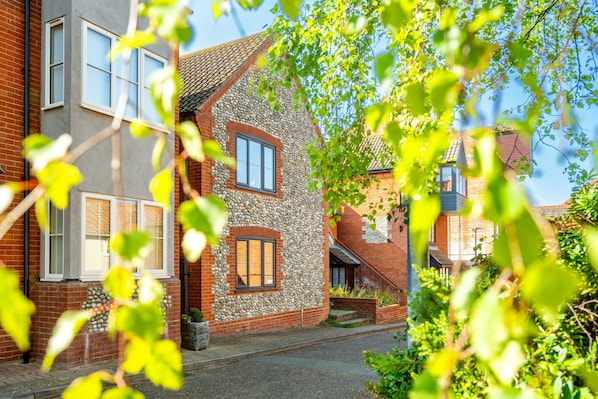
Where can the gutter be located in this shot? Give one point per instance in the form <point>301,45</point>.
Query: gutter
<point>26,115</point>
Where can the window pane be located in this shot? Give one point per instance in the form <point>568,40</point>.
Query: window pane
<point>56,220</point>
<point>98,47</point>
<point>56,44</point>
<point>255,263</point>
<point>97,216</point>
<point>132,99</point>
<point>153,224</point>
<point>126,216</point>
<point>268,263</point>
<point>242,263</point>
<point>150,65</point>
<point>133,66</point>
<point>56,83</point>
<point>97,89</point>
<point>255,165</point>
<point>97,229</point>
<point>241,161</point>
<point>268,168</point>
<point>56,255</point>
<point>447,178</point>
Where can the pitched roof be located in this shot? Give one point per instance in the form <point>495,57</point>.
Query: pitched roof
<point>514,150</point>
<point>205,71</point>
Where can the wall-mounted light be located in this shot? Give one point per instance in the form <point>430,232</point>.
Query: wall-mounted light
<point>2,170</point>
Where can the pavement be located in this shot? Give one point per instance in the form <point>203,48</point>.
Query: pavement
<point>26,381</point>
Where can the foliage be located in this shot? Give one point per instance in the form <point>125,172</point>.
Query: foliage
<point>385,297</point>
<point>194,316</point>
<point>411,71</point>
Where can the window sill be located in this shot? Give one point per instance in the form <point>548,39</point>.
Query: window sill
<point>110,113</point>
<point>53,106</point>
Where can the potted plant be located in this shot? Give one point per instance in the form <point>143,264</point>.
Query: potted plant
<point>195,332</point>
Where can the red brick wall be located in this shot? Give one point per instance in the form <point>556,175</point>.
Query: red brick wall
<point>52,299</point>
<point>278,321</point>
<point>368,307</point>
<point>388,259</point>
<point>12,132</point>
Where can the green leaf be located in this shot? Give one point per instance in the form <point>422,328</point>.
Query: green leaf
<point>89,386</point>
<point>591,240</point>
<point>506,364</point>
<point>7,194</point>
<point>465,292</point>
<point>139,129</point>
<point>213,150</point>
<point>397,13</point>
<point>204,214</point>
<point>140,319</point>
<point>165,367</point>
<point>415,98</point>
<point>385,68</point>
<point>165,86</point>
<point>59,178</point>
<point>41,213</point>
<point>41,150</point>
<point>355,25</point>
<point>157,153</point>
<point>443,90</point>
<point>161,187</point>
<point>119,283</point>
<point>122,393</point>
<point>423,212</point>
<point>150,290</point>
<point>132,246</point>
<point>137,40</point>
<point>67,326</point>
<point>489,331</point>
<point>443,362</point>
<point>15,309</point>
<point>377,114</point>
<point>191,140</point>
<point>193,244</point>
<point>137,354</point>
<point>512,393</point>
<point>548,286</point>
<point>426,386</point>
<point>291,7</point>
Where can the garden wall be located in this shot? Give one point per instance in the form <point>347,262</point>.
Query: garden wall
<point>368,307</point>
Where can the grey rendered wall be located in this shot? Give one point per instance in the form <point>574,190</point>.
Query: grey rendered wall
<point>297,216</point>
<point>82,123</point>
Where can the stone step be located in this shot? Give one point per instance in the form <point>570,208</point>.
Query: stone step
<point>358,321</point>
<point>343,315</point>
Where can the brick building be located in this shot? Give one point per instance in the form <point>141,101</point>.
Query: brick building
<point>362,257</point>
<point>72,86</point>
<point>270,268</point>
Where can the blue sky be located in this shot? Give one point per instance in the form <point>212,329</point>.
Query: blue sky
<point>548,186</point>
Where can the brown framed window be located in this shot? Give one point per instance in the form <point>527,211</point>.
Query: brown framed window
<point>256,268</point>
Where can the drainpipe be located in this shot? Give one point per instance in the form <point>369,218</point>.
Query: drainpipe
<point>26,101</point>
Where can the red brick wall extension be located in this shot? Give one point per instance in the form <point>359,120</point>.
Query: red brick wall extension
<point>12,92</point>
<point>53,299</point>
<point>278,321</point>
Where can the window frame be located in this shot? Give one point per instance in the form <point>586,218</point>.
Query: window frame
<point>114,72</point>
<point>90,275</point>
<point>263,145</point>
<point>48,65</point>
<point>48,234</point>
<point>262,286</point>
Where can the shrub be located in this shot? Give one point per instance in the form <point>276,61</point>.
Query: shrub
<point>385,297</point>
<point>193,316</point>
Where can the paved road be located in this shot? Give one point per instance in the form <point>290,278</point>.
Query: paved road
<point>327,371</point>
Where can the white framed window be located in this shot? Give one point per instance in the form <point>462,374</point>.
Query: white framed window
<point>54,63</point>
<point>104,216</point>
<point>103,78</point>
<point>54,245</point>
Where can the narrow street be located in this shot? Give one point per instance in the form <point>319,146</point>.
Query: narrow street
<point>330,371</point>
